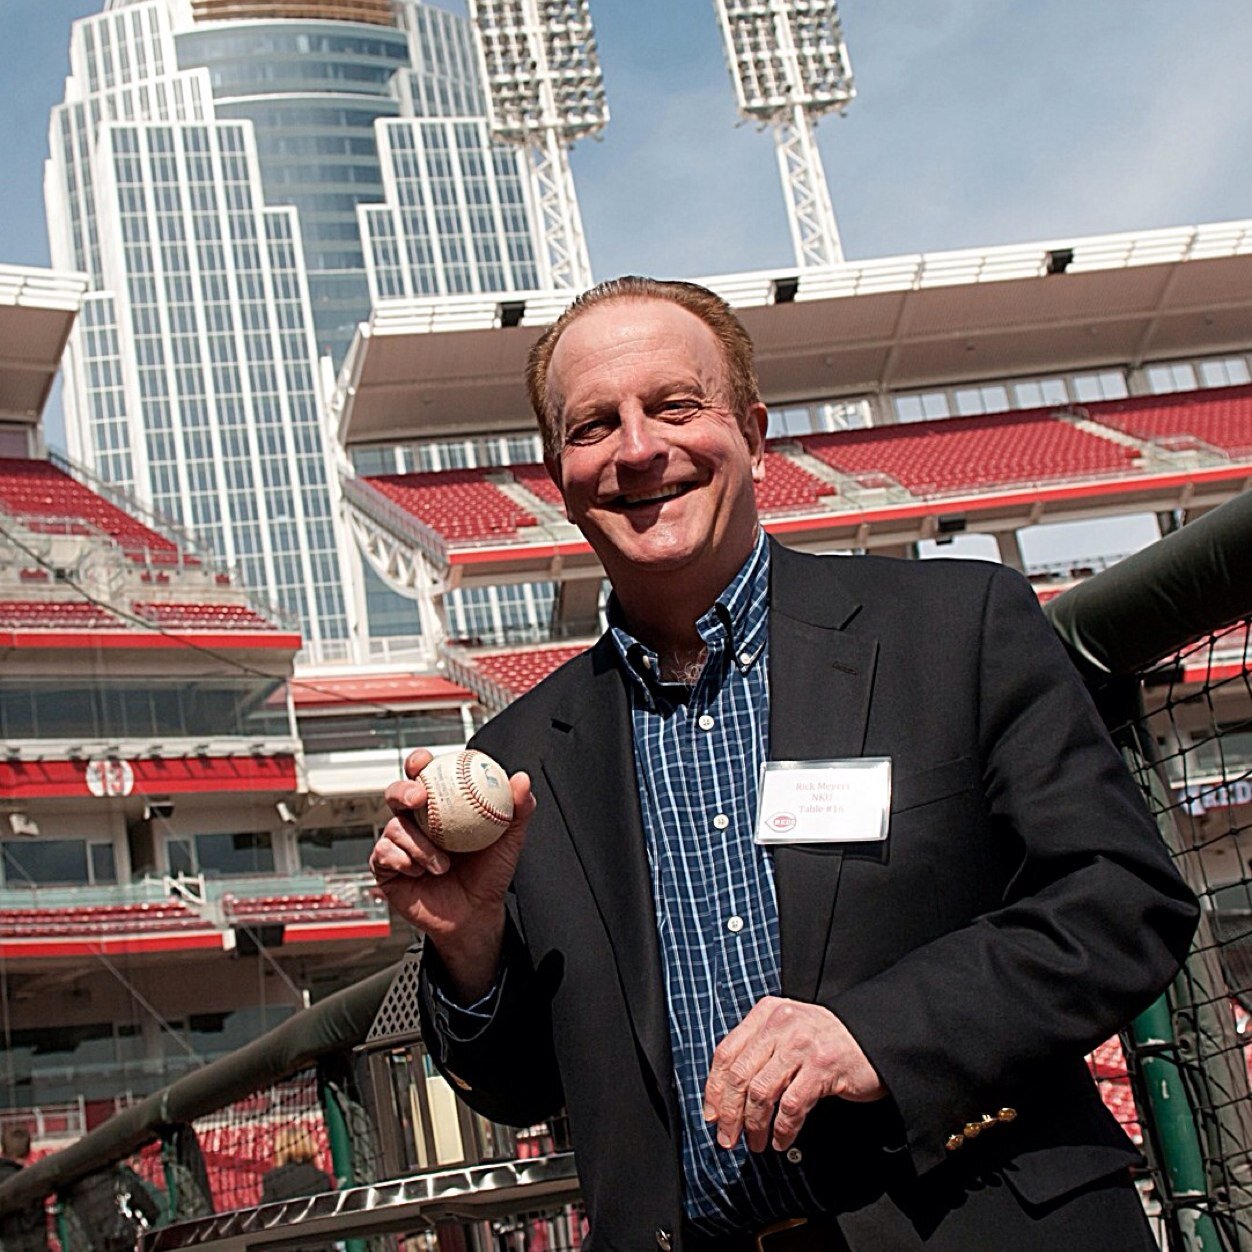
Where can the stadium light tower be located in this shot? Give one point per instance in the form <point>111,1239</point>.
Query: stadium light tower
<point>790,66</point>
<point>545,90</point>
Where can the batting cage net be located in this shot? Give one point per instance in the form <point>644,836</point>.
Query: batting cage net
<point>1163,640</point>
<point>1193,741</point>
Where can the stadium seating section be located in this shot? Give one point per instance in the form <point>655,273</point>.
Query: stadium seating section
<point>928,458</point>
<point>972,453</point>
<point>98,919</point>
<point>54,615</point>
<point>457,504</point>
<point>518,672</point>
<point>47,499</point>
<point>788,485</point>
<point>84,615</point>
<point>1220,417</point>
<point>537,481</point>
<point>201,616</point>
<point>273,910</point>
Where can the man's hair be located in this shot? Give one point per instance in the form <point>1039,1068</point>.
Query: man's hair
<point>711,309</point>
<point>293,1145</point>
<point>15,1142</point>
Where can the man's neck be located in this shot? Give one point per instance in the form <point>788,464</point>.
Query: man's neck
<point>663,614</point>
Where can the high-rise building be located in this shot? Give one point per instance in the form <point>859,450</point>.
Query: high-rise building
<point>239,179</point>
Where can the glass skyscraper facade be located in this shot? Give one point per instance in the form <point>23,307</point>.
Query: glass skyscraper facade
<point>238,190</point>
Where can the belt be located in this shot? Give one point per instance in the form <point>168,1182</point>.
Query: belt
<point>791,1234</point>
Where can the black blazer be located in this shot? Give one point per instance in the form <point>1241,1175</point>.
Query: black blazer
<point>1021,910</point>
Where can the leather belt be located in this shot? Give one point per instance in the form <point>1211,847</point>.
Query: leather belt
<point>790,1234</point>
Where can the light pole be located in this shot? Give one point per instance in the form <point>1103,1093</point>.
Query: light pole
<point>790,66</point>
<point>544,91</point>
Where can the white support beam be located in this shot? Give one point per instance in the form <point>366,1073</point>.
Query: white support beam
<point>810,214</point>
<point>565,264</point>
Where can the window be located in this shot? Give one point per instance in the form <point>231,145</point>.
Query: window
<point>41,862</point>
<point>338,847</point>
<point>219,856</point>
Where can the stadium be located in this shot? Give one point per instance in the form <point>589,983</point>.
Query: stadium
<point>303,527</point>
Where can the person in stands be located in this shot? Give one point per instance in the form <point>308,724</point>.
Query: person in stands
<point>25,1230</point>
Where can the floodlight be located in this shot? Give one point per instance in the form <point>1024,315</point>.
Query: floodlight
<point>790,66</point>
<point>541,69</point>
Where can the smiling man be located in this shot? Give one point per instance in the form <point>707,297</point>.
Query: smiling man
<point>869,1036</point>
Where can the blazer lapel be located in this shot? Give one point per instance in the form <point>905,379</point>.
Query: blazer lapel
<point>821,680</point>
<point>591,770</point>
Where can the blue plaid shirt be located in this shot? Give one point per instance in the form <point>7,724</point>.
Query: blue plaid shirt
<point>698,757</point>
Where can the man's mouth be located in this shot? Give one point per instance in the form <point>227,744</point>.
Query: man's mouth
<point>650,495</point>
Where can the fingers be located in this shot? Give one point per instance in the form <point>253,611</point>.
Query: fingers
<point>739,1083</point>
<point>416,761</point>
<point>769,1072</point>
<point>403,851</point>
<point>523,800</point>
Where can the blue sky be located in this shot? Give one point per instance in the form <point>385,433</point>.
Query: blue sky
<point>977,122</point>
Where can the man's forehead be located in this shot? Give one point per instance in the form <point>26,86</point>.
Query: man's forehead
<point>635,323</point>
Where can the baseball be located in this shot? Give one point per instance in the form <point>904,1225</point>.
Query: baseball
<point>469,802</point>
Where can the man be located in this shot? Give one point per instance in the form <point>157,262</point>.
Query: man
<point>873,1045</point>
<point>24,1230</point>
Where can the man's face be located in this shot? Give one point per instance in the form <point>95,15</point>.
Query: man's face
<point>656,470</point>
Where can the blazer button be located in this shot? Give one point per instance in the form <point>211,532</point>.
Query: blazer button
<point>664,1240</point>
<point>973,1130</point>
<point>954,1142</point>
<point>1006,1115</point>
<point>795,1156</point>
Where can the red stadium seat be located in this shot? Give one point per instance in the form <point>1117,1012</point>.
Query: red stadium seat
<point>971,453</point>
<point>48,500</point>
<point>1219,416</point>
<point>518,672</point>
<point>456,504</point>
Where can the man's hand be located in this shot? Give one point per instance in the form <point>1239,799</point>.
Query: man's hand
<point>775,1066</point>
<point>455,899</point>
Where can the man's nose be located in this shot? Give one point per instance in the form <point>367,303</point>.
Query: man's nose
<point>640,439</point>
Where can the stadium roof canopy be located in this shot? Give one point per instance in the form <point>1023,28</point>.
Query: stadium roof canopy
<point>37,311</point>
<point>448,365</point>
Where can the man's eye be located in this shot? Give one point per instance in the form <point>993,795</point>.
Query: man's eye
<point>680,409</point>
<point>590,430</point>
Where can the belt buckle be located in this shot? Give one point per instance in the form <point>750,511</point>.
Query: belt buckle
<point>766,1233</point>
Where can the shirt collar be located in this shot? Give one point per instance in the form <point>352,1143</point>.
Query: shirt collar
<point>738,621</point>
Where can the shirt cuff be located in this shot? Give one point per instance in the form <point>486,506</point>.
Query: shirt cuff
<point>465,1022</point>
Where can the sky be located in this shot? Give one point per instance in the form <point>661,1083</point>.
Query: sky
<point>976,122</point>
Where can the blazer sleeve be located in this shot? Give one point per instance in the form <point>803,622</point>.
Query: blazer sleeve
<point>1091,927</point>
<point>504,1065</point>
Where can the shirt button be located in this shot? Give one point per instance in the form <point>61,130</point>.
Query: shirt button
<point>664,1240</point>
<point>745,659</point>
<point>795,1156</point>
<point>705,722</point>
<point>721,821</point>
<point>734,925</point>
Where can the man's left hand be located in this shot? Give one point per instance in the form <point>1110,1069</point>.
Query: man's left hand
<point>775,1066</point>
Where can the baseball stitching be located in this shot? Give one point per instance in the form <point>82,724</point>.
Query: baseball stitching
<point>472,793</point>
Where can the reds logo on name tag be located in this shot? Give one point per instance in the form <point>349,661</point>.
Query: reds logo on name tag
<point>845,801</point>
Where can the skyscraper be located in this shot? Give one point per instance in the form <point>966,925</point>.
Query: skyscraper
<point>238,178</point>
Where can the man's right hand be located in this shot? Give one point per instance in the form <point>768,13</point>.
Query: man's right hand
<point>455,899</point>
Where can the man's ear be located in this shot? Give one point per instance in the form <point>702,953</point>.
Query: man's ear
<point>755,424</point>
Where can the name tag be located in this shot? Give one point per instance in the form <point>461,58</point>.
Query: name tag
<point>824,801</point>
